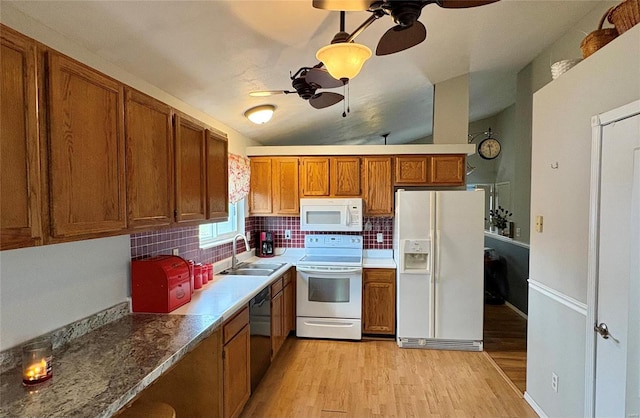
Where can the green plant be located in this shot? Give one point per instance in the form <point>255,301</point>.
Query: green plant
<point>499,217</point>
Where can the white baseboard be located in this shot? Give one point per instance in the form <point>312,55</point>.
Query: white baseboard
<point>534,405</point>
<point>516,310</point>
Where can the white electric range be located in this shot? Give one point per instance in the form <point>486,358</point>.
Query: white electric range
<point>329,287</point>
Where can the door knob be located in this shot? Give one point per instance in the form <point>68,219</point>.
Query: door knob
<point>602,330</point>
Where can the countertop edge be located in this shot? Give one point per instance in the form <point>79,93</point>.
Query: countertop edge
<point>132,393</point>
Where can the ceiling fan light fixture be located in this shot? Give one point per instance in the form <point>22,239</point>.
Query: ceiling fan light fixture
<point>343,59</point>
<point>260,114</point>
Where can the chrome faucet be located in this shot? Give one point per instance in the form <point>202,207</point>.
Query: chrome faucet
<point>234,259</point>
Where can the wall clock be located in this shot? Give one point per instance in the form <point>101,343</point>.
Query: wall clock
<point>489,148</point>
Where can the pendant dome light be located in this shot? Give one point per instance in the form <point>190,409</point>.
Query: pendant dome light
<point>343,58</point>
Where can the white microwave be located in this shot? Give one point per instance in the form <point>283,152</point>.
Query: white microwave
<point>335,215</point>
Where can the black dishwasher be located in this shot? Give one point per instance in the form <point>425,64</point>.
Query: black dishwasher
<point>260,331</point>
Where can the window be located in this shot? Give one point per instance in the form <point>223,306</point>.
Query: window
<point>221,232</point>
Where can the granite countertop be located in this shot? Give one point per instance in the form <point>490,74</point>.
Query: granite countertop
<point>97,374</point>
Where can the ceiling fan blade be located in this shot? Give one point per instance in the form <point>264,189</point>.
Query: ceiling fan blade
<point>343,5</point>
<point>399,38</point>
<point>325,99</point>
<point>321,78</point>
<point>463,4</point>
<point>266,93</point>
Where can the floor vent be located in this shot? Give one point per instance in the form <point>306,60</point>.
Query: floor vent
<point>435,344</point>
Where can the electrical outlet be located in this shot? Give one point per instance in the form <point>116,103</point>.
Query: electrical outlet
<point>175,251</point>
<point>554,382</point>
<point>539,221</point>
<point>517,232</point>
<point>379,237</point>
<point>287,234</point>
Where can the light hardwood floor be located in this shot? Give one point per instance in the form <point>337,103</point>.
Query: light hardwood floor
<point>505,340</point>
<point>321,378</point>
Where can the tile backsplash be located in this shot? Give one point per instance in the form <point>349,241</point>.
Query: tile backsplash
<point>278,225</point>
<point>185,239</point>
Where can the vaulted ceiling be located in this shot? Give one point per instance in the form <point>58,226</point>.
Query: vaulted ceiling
<point>211,54</point>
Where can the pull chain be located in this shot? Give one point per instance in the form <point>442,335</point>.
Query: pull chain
<point>345,92</point>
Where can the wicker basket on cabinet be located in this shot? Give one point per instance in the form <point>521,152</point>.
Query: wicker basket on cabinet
<point>625,15</point>
<point>598,38</point>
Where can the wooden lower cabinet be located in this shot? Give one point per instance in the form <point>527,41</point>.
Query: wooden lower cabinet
<point>277,317</point>
<point>189,396</point>
<point>379,301</point>
<point>236,388</point>
<point>289,301</point>
<point>282,309</point>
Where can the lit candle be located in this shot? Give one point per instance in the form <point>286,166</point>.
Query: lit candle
<point>36,362</point>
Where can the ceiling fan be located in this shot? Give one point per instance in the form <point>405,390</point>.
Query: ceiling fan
<point>408,31</point>
<point>306,81</point>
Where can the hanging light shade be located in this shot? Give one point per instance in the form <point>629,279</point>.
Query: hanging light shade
<point>343,59</point>
<point>260,114</point>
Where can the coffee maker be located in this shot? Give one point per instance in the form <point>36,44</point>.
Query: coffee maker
<point>264,244</point>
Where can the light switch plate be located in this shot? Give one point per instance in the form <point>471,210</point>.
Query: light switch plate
<point>175,251</point>
<point>379,237</point>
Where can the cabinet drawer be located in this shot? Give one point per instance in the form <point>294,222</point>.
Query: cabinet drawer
<point>235,324</point>
<point>276,287</point>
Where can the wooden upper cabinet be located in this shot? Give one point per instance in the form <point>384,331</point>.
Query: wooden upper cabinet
<point>20,222</point>
<point>217,176</point>
<point>329,176</point>
<point>149,139</point>
<point>286,200</point>
<point>314,176</point>
<point>260,199</point>
<point>447,170</point>
<point>345,176</point>
<point>190,163</point>
<point>274,186</point>
<point>411,170</point>
<point>86,150</point>
<point>377,190</point>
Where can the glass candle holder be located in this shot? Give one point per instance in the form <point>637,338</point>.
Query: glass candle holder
<point>36,362</point>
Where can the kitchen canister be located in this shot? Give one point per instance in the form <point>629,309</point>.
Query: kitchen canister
<point>191,274</point>
<point>205,274</point>
<point>210,272</point>
<point>197,276</point>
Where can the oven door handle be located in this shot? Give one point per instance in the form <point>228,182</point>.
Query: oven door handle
<point>313,270</point>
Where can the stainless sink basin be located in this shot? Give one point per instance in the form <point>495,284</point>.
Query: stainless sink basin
<point>266,266</point>
<point>253,269</point>
<point>248,272</point>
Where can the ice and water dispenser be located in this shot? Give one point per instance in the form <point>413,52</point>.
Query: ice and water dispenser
<point>414,256</point>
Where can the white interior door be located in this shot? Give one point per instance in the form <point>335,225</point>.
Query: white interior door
<point>617,386</point>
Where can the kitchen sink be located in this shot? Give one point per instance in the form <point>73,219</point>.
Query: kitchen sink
<point>253,269</point>
<point>265,266</point>
<point>247,272</point>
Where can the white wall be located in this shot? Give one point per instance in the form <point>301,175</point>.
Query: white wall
<point>44,288</point>
<point>561,130</point>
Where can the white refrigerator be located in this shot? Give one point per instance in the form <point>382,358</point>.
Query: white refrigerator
<point>438,243</point>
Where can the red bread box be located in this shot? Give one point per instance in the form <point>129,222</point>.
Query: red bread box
<point>160,284</point>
